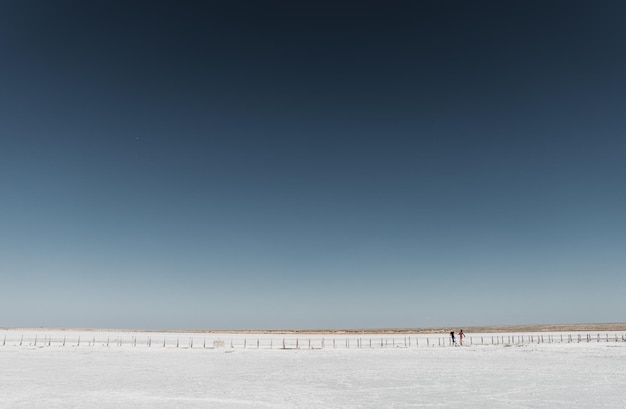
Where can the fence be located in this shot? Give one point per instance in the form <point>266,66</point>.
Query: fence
<point>238,341</point>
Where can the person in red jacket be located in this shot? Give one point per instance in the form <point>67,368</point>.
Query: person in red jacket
<point>461,335</point>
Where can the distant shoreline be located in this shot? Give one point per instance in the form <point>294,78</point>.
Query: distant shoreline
<point>431,330</point>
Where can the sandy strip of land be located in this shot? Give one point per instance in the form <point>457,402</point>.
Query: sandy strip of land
<point>434,330</point>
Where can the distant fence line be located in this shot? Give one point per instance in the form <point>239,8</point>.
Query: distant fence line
<point>307,342</point>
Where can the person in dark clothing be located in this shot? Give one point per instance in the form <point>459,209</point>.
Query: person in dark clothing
<point>452,337</point>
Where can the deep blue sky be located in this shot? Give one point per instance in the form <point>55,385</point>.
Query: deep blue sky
<point>311,164</point>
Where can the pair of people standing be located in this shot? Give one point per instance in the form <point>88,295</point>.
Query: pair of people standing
<point>461,336</point>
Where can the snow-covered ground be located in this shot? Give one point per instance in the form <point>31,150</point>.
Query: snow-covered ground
<point>56,370</point>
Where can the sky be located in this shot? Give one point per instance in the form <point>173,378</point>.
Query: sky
<point>322,164</point>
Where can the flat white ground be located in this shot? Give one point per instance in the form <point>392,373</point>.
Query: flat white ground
<point>139,374</point>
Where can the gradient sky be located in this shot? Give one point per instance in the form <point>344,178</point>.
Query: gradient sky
<point>292,164</point>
